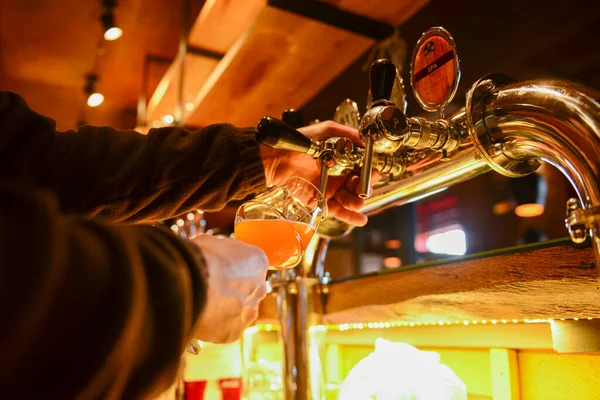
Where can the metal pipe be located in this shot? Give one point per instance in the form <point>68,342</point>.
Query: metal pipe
<point>463,165</point>
<point>559,123</point>
<point>512,126</point>
<point>555,121</point>
<point>508,127</point>
<point>300,306</point>
<point>367,168</point>
<point>437,174</point>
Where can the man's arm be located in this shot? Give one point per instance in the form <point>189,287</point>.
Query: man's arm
<point>124,175</point>
<point>90,309</point>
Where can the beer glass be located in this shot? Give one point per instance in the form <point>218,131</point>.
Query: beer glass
<point>282,221</point>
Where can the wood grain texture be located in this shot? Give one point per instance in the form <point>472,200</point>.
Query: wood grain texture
<point>550,376</point>
<point>222,22</point>
<point>165,98</point>
<point>552,282</point>
<point>576,336</point>
<point>391,12</point>
<point>545,283</point>
<point>504,371</point>
<point>217,27</point>
<point>280,62</point>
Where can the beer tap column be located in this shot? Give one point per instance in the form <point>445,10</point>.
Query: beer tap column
<point>383,126</point>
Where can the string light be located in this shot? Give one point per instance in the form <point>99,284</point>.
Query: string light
<point>403,324</point>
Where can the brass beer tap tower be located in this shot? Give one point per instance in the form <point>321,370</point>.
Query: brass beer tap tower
<point>506,126</point>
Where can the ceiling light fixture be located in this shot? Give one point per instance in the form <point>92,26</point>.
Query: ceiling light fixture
<point>94,98</point>
<point>111,30</point>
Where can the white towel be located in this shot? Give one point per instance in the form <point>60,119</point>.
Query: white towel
<point>398,371</point>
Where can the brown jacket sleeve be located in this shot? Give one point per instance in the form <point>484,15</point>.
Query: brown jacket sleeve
<point>124,175</point>
<point>90,309</point>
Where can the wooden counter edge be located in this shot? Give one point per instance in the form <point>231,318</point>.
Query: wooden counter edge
<point>560,268</point>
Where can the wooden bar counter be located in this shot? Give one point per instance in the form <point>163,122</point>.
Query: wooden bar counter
<point>554,279</point>
<point>518,323</point>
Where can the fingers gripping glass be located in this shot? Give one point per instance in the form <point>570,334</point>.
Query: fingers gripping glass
<point>282,221</point>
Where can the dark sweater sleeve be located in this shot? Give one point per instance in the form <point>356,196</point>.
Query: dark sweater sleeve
<point>124,175</point>
<point>90,309</point>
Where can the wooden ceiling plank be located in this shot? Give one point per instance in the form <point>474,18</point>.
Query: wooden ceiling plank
<point>217,27</point>
<point>391,12</point>
<point>282,61</point>
<point>222,22</point>
<point>165,98</point>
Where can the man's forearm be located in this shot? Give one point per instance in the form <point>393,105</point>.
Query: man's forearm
<point>124,175</point>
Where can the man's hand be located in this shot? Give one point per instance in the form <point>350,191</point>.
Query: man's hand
<point>236,284</point>
<point>342,197</point>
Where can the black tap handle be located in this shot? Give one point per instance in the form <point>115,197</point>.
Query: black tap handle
<point>277,134</point>
<point>293,117</point>
<point>382,75</point>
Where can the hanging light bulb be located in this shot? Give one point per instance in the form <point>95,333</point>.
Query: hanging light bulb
<point>94,98</point>
<point>111,30</point>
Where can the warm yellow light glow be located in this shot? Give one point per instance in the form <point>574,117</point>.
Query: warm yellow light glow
<point>95,99</point>
<point>453,242</point>
<point>529,210</point>
<point>503,207</point>
<point>113,33</point>
<point>392,262</point>
<point>180,222</point>
<point>189,106</point>
<point>167,119</point>
<point>402,324</point>
<point>393,244</point>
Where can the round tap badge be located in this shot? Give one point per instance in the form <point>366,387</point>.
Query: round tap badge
<point>435,70</point>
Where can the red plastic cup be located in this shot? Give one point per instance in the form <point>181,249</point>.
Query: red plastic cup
<point>195,390</point>
<point>231,388</point>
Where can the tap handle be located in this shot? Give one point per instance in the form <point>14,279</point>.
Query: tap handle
<point>277,134</point>
<point>293,117</point>
<point>382,76</point>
